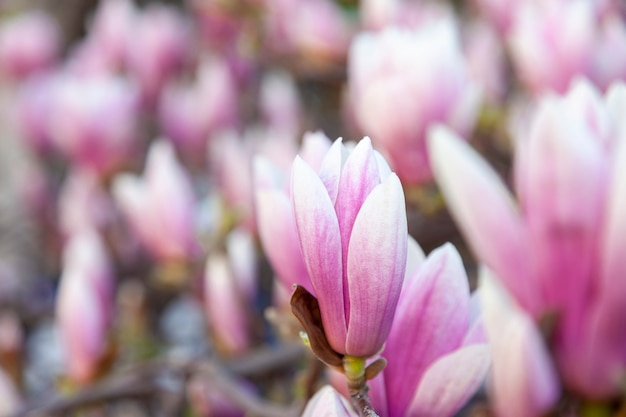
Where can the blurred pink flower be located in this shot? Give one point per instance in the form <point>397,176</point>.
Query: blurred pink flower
<point>160,207</point>
<point>191,113</point>
<point>279,103</point>
<point>83,203</point>
<point>274,214</point>
<point>352,228</point>
<point>29,42</point>
<point>552,42</point>
<point>111,28</point>
<point>159,47</point>
<point>313,28</point>
<point>524,381</point>
<point>569,174</point>
<point>226,306</point>
<point>84,304</point>
<point>78,128</point>
<point>403,81</point>
<point>609,53</point>
<point>328,403</point>
<point>436,353</point>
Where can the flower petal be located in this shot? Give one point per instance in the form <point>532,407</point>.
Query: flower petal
<point>320,242</point>
<point>450,382</point>
<point>483,209</point>
<point>431,320</point>
<point>376,265</point>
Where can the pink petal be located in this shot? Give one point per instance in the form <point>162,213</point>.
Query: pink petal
<point>376,265</point>
<point>431,320</point>
<point>524,381</point>
<point>330,169</point>
<point>328,403</point>
<point>277,230</point>
<point>320,242</point>
<point>450,382</point>
<point>483,209</point>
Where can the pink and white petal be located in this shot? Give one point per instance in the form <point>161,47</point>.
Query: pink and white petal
<point>330,169</point>
<point>277,230</point>
<point>320,243</point>
<point>315,146</point>
<point>431,320</point>
<point>328,403</point>
<point>524,381</point>
<point>483,209</point>
<point>376,265</point>
<point>450,382</point>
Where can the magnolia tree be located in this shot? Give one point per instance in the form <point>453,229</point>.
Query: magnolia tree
<point>313,207</point>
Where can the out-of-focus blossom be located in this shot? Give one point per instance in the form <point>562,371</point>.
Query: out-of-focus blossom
<point>609,61</point>
<point>190,114</point>
<point>275,217</point>
<point>352,227</point>
<point>501,13</point>
<point>403,81</point>
<point>311,28</point>
<point>524,382</point>
<point>83,203</point>
<point>328,403</point>
<point>94,120</point>
<point>10,400</point>
<point>552,42</point>
<point>436,356</point>
<point>158,48</point>
<point>160,206</point>
<point>280,103</point>
<point>226,306</point>
<point>569,174</point>
<point>378,14</point>
<point>485,60</point>
<point>29,43</point>
<point>242,256</point>
<point>84,304</point>
<point>111,29</point>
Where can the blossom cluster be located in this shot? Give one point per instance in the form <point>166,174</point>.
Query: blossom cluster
<point>426,197</point>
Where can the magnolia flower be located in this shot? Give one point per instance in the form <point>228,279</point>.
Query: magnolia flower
<point>111,29</point>
<point>84,304</point>
<point>403,81</point>
<point>328,403</point>
<point>190,114</point>
<point>78,128</point>
<point>279,102</point>
<point>552,42</point>
<point>352,228</point>
<point>436,354</point>
<point>160,207</point>
<point>29,43</point>
<point>275,217</point>
<point>158,48</point>
<point>569,177</point>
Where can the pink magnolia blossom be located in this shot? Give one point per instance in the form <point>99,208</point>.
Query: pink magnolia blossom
<point>569,173</point>
<point>275,217</point>
<point>158,48</point>
<point>226,306</point>
<point>111,29</point>
<point>279,103</point>
<point>403,81</point>
<point>328,403</point>
<point>160,207</point>
<point>191,113</point>
<point>83,203</point>
<point>84,304</point>
<point>552,42</point>
<point>29,43</point>
<point>352,228</point>
<point>436,354</point>
<point>78,128</point>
